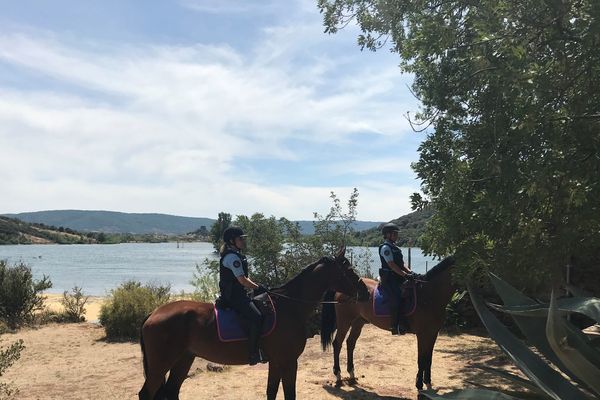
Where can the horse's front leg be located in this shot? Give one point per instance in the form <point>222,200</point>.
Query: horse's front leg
<point>289,380</point>
<point>273,381</point>
<point>426,341</point>
<point>355,332</point>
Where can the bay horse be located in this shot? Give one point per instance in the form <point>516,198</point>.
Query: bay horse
<point>176,333</point>
<point>434,291</point>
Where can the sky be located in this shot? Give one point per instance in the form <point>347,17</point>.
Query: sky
<point>192,107</point>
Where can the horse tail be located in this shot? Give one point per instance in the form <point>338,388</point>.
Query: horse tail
<point>328,321</point>
<point>144,360</point>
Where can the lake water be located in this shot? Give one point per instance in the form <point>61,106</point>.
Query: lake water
<point>99,268</point>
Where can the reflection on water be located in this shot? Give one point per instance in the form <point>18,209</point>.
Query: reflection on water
<point>99,268</point>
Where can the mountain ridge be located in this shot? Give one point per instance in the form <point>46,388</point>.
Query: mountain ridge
<point>138,223</point>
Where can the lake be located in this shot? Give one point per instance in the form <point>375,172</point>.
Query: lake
<point>98,268</point>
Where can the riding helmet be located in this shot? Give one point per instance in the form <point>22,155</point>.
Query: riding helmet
<point>232,232</point>
<point>390,227</point>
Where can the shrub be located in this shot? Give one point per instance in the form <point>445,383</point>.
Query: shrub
<point>128,306</point>
<point>7,358</point>
<point>74,304</point>
<point>20,294</point>
<point>206,284</point>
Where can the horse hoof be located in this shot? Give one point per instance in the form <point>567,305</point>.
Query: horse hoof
<point>352,381</point>
<point>419,384</point>
<point>428,386</point>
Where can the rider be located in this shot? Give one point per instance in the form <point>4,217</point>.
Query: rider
<point>233,282</point>
<point>392,274</point>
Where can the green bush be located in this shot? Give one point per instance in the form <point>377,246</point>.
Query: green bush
<point>7,358</point>
<point>74,304</point>
<point>128,305</point>
<point>206,284</point>
<point>20,294</point>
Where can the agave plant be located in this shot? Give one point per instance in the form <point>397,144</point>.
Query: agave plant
<point>570,366</point>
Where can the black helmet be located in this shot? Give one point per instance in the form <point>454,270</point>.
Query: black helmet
<point>231,233</point>
<point>390,227</point>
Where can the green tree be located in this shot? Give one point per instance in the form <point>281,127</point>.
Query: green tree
<point>20,294</point>
<point>512,92</point>
<point>277,249</point>
<point>216,231</point>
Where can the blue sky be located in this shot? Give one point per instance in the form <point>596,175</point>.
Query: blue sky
<point>193,107</point>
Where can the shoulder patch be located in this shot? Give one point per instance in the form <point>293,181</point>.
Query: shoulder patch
<point>386,252</point>
<point>237,264</point>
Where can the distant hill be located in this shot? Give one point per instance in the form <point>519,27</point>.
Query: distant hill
<point>411,228</point>
<point>14,231</point>
<point>118,222</point>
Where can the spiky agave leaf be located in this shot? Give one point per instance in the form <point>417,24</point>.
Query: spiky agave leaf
<point>571,357</point>
<point>536,369</point>
<point>534,329</point>
<point>588,306</point>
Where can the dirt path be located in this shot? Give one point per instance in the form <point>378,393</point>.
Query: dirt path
<point>74,362</point>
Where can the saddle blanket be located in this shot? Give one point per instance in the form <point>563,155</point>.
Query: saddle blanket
<point>408,302</point>
<point>232,328</point>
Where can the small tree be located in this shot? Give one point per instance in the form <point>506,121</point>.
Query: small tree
<point>216,231</point>
<point>20,294</point>
<point>74,304</point>
<point>8,358</point>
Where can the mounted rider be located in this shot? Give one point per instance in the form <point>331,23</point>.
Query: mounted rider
<point>392,274</point>
<point>233,285</point>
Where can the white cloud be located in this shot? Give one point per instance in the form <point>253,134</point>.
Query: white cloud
<point>228,6</point>
<point>162,128</point>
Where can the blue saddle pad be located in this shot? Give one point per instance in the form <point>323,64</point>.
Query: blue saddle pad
<point>230,328</point>
<point>381,306</point>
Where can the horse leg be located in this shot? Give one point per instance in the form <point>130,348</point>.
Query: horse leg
<point>289,380</point>
<point>428,360</point>
<point>425,343</point>
<point>355,332</point>
<point>177,375</point>
<point>340,335</point>
<point>273,380</point>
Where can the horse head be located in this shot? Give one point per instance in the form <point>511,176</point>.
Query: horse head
<point>345,280</point>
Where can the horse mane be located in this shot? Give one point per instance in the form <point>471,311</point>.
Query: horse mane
<point>439,268</point>
<point>300,275</point>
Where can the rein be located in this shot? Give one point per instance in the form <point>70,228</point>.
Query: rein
<point>301,300</point>
<point>355,299</point>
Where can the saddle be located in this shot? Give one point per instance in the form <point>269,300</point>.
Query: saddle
<point>408,300</point>
<point>231,327</point>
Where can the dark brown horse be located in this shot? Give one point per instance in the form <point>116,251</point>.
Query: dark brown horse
<point>176,333</point>
<point>433,294</point>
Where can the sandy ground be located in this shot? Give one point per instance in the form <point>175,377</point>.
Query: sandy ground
<point>73,361</point>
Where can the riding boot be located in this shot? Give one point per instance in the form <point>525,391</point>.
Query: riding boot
<point>253,350</point>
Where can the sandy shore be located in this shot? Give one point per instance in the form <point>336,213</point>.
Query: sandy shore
<point>73,361</point>
<point>92,306</point>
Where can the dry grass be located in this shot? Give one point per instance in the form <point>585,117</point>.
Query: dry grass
<point>74,362</point>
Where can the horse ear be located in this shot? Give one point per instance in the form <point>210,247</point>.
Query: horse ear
<point>341,252</point>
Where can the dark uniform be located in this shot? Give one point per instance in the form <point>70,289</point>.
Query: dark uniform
<point>232,265</point>
<point>390,283</point>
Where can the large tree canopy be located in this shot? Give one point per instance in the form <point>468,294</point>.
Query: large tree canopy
<point>510,91</point>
